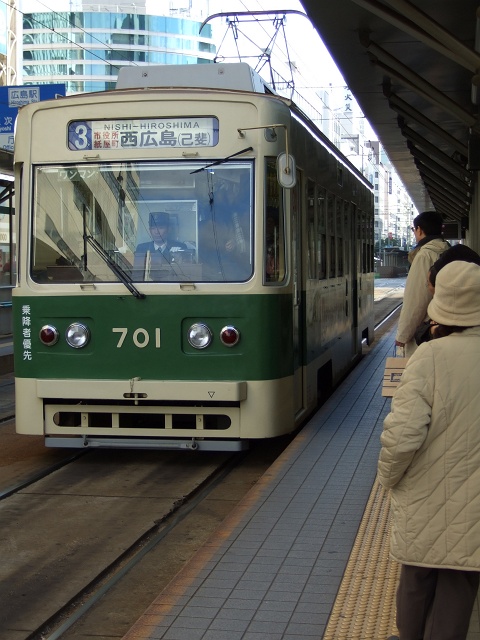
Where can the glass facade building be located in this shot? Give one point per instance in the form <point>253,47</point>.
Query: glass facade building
<point>85,49</point>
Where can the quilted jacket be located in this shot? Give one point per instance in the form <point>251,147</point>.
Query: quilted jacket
<point>430,456</point>
<point>417,296</point>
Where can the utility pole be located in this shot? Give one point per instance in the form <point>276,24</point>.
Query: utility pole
<point>12,49</point>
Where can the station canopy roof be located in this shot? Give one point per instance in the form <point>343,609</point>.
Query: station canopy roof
<point>415,72</point>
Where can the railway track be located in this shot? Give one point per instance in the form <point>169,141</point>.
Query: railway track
<point>108,518</point>
<point>172,518</point>
<point>7,408</point>
<point>90,540</point>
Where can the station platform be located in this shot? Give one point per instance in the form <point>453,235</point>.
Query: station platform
<point>306,553</point>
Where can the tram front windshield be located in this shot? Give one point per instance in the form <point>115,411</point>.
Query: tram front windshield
<point>150,222</point>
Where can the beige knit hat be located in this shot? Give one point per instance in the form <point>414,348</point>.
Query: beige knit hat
<point>456,301</point>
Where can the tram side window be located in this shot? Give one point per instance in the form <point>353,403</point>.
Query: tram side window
<point>339,235</point>
<point>321,234</point>
<point>347,234</point>
<point>364,242</point>
<point>371,242</point>
<point>368,244</point>
<point>311,262</point>
<point>274,229</point>
<point>359,240</point>
<point>331,233</point>
<point>7,246</point>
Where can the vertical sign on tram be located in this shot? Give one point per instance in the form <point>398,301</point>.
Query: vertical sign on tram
<point>297,295</point>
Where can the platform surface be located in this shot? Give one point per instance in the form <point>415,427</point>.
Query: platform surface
<point>305,554</point>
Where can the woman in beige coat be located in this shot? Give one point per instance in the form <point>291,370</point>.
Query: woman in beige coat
<point>430,246</point>
<point>430,460</point>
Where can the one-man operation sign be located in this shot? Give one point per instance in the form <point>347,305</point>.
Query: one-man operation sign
<point>11,98</point>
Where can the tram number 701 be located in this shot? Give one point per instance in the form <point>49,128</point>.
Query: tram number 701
<point>140,337</point>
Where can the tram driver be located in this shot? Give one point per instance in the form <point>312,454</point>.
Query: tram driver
<point>161,251</point>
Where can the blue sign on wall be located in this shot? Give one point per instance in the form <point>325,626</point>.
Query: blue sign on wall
<point>11,98</point>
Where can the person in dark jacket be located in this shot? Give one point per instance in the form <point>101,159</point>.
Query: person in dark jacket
<point>430,329</point>
<point>161,250</point>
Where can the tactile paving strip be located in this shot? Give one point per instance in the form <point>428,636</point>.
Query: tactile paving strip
<point>365,605</point>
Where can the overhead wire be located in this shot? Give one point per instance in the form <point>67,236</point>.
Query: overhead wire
<point>285,52</point>
<point>334,116</point>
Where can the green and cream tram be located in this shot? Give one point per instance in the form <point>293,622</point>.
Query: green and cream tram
<point>195,263</point>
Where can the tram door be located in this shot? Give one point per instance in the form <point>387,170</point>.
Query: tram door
<point>297,296</point>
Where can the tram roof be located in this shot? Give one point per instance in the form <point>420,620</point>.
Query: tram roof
<point>237,75</point>
<point>413,70</point>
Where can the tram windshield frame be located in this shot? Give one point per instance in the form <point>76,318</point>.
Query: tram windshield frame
<point>153,221</point>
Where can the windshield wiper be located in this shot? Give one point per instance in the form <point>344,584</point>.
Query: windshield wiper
<point>214,164</point>
<point>117,270</point>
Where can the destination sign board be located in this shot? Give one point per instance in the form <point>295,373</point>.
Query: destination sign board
<point>144,133</point>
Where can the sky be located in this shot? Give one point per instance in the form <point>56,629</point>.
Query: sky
<point>316,69</point>
<point>305,47</point>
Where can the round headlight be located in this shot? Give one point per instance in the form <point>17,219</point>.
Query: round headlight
<point>229,336</point>
<point>199,336</point>
<point>49,335</point>
<point>77,335</point>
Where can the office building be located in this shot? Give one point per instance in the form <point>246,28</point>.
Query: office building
<point>83,44</point>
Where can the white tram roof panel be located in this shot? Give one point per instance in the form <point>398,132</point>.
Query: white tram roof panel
<point>238,75</point>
